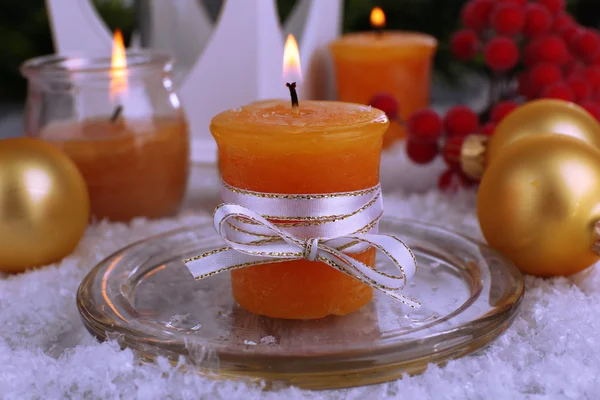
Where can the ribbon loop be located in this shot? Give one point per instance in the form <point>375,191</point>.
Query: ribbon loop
<point>316,227</point>
<point>311,249</point>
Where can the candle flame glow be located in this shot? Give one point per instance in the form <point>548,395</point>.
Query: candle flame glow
<point>118,66</point>
<point>292,71</point>
<point>377,18</point>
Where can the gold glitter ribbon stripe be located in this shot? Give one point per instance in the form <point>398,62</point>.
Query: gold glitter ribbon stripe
<point>309,221</point>
<point>300,196</point>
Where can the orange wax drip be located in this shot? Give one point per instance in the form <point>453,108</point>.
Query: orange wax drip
<point>326,147</point>
<point>133,168</point>
<point>397,63</point>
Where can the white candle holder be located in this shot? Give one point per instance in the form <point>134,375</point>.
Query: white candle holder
<point>239,63</point>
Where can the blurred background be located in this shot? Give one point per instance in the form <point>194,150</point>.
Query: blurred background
<point>25,33</point>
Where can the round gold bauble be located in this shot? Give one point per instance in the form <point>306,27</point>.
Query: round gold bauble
<point>538,203</point>
<point>44,204</point>
<point>542,117</point>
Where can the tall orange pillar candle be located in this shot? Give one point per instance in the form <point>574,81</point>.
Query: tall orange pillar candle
<point>318,147</point>
<point>390,70</point>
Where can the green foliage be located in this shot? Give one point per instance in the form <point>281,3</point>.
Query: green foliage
<point>117,16</point>
<point>24,33</point>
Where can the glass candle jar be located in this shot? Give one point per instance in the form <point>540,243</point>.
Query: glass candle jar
<point>124,128</point>
<point>325,147</point>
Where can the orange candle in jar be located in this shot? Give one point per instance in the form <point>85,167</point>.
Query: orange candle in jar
<point>133,166</point>
<point>318,147</point>
<point>390,70</point>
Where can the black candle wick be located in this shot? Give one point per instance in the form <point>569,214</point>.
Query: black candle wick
<point>116,113</point>
<point>293,94</point>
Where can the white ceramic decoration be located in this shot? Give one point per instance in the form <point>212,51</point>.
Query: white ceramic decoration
<point>180,27</point>
<point>240,58</point>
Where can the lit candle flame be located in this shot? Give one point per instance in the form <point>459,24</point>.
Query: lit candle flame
<point>377,18</point>
<point>292,71</point>
<point>118,70</point>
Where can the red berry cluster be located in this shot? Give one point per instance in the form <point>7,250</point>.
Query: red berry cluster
<point>430,135</point>
<point>560,59</point>
<point>536,49</point>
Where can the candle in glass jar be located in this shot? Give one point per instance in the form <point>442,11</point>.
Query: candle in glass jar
<point>390,70</point>
<point>122,126</point>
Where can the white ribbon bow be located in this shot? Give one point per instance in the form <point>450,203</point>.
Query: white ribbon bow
<point>265,228</point>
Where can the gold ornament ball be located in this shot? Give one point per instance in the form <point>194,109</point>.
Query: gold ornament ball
<point>44,204</point>
<point>543,117</point>
<point>538,203</point>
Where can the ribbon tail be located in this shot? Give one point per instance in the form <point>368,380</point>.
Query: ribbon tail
<point>390,246</point>
<point>363,274</point>
<point>223,260</point>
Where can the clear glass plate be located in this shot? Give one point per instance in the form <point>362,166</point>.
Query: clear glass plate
<point>144,296</point>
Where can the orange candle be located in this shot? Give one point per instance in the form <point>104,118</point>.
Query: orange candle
<point>132,167</point>
<point>312,148</point>
<point>325,147</point>
<point>390,70</point>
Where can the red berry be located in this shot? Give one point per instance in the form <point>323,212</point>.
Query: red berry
<point>558,90</point>
<point>551,48</point>
<point>586,44</point>
<point>592,75</point>
<point>386,103</point>
<point>476,14</point>
<point>554,6</point>
<point>488,129</point>
<point>508,19</point>
<point>592,108</point>
<point>502,109</point>
<point>452,180</point>
<point>452,150</point>
<point>421,152</point>
<point>595,60</point>
<point>530,56</point>
<point>573,67</point>
<point>464,44</point>
<point>461,121</point>
<point>569,33</point>
<point>538,20</point>
<point>526,89</point>
<point>501,54</point>
<point>580,87</point>
<point>466,181</point>
<point>543,75</point>
<point>449,181</point>
<point>425,126</point>
<point>562,22</point>
<point>516,2</point>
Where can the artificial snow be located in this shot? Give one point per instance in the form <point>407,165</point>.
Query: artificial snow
<point>551,351</point>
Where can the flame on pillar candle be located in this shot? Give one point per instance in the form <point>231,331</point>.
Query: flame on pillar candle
<point>118,67</point>
<point>377,18</point>
<point>292,71</point>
